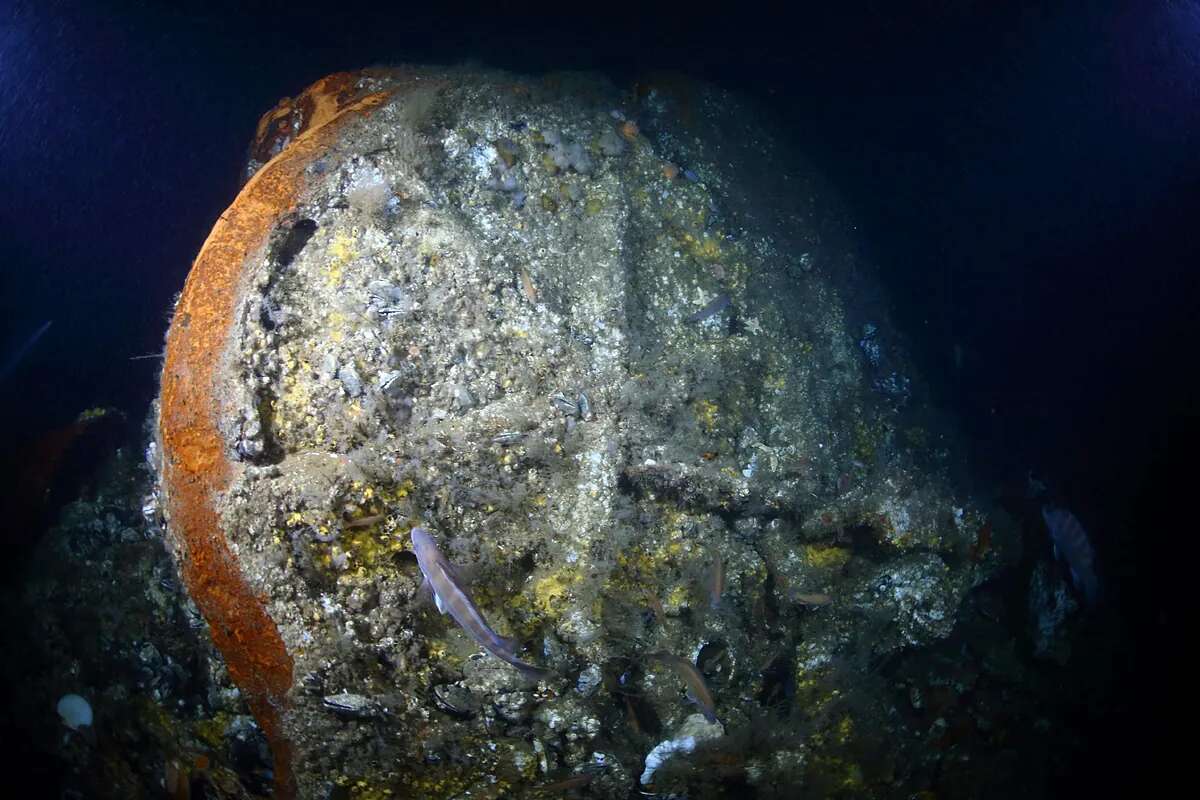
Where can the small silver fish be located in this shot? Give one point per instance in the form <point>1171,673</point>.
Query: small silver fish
<point>452,600</point>
<point>716,585</point>
<point>351,705</point>
<point>528,287</point>
<point>565,405</point>
<point>711,309</point>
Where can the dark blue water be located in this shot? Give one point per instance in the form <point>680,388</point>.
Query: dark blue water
<point>1028,183</point>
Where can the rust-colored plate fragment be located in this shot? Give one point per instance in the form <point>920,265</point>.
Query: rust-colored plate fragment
<point>195,459</point>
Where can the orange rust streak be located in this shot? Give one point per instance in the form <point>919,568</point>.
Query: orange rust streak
<point>196,466</point>
<point>311,109</point>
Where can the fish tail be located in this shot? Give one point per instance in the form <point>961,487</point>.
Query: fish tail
<point>530,672</point>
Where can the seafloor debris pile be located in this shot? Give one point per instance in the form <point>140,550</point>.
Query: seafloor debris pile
<point>608,349</point>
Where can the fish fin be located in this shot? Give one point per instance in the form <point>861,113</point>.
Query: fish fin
<point>425,590</point>
<point>510,645</point>
<point>437,599</point>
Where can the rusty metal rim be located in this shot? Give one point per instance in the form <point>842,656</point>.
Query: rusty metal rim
<point>196,465</point>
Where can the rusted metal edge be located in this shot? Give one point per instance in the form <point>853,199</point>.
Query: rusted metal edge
<point>292,117</point>
<point>196,465</point>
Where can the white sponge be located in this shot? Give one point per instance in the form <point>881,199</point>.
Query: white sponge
<point>75,711</point>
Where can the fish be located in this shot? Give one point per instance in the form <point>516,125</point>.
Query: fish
<point>453,600</point>
<point>716,585</point>
<point>505,438</point>
<point>697,689</point>
<point>814,599</point>
<point>567,784</point>
<point>713,307</point>
<point>631,715</point>
<point>1071,545</point>
<point>527,287</point>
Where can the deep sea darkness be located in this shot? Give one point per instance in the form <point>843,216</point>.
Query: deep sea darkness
<point>1028,183</point>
